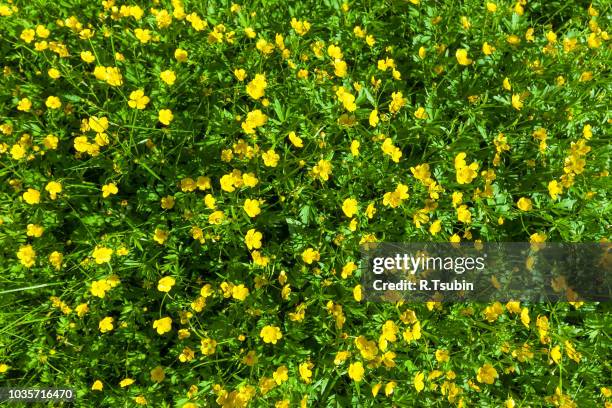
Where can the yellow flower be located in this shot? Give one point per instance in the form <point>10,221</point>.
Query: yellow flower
<point>571,352</point>
<point>357,293</point>
<point>158,374</point>
<point>350,207</point>
<point>391,150</point>
<point>82,309</point>
<point>97,385</point>
<point>376,389</point>
<point>525,317</point>
<point>554,189</point>
<point>264,46</point>
<point>24,105</point>
<point>27,35</point>
<point>435,227</point>
<point>27,256</point>
<point>355,147</point>
<point>463,214</point>
<point>18,152</point>
<point>422,52</point>
<point>419,385</point>
<point>310,255</point>
<point>373,119</point>
<point>126,382</point>
<point>31,196</point>
<point>55,259</point>
<point>180,55</point>
<point>305,370</point>
<point>334,52</point>
<point>465,173</point>
<point>254,120</point>
<point>160,236</point>
<point>251,207</point>
<point>53,102</point>
<point>280,375</point>
<point>256,88</point>
<point>111,75</point>
<point>555,354</point>
<point>524,204</point>
<point>513,39</point>
<point>253,239</point>
<point>143,35</point>
<point>240,74</point>
<point>516,102</point>
<point>53,188</point>
<point>106,324</point>
<point>356,371</point>
<point>165,116</point>
<point>270,158</point>
<point>50,142</point>
<point>87,56</point>
<point>322,169</point>
<point>487,48</point>
<point>98,124</point>
<point>108,189</point>
<point>167,203</point>
<point>493,312</point>
<point>394,199</point>
<point>442,356</point>
<point>487,374</point>
<point>420,113</point>
<point>506,84</point>
<point>165,284</point>
<point>240,292</point>
<point>300,27</point>
<point>138,100</point>
<point>270,334</point>
<point>34,230</point>
<point>537,238</point>
<point>462,57</point>
<point>102,254</point>
<point>295,140</point>
<point>397,102</point>
<point>347,99</point>
<point>168,76</point>
<point>81,144</point>
<point>163,325</point>
<point>340,68</point>
<point>513,306</point>
<point>390,387</point>
<point>99,288</point>
<point>216,217</point>
<point>587,131</point>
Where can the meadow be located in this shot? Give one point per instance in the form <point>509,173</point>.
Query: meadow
<point>185,186</point>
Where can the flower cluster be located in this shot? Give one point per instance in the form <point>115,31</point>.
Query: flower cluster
<point>186,189</point>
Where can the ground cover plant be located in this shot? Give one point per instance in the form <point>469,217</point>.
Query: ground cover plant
<point>185,187</point>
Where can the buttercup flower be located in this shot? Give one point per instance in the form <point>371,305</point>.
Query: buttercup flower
<point>138,100</point>
<point>165,116</point>
<point>106,325</point>
<point>165,284</point>
<point>163,325</point>
<point>487,374</point>
<point>270,334</point>
<point>462,57</point>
